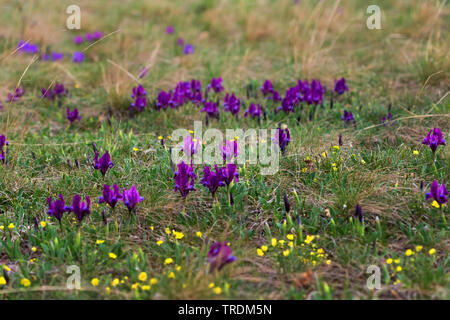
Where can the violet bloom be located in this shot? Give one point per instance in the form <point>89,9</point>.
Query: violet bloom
<point>13,97</point>
<point>359,214</point>
<point>340,86</point>
<point>27,47</point>
<point>216,85</point>
<point>229,150</point>
<point>438,193</point>
<point>57,56</point>
<point>97,35</point>
<point>3,144</point>
<point>78,40</point>
<point>80,209</point>
<point>317,92</point>
<point>348,116</point>
<point>139,94</point>
<point>284,137</point>
<point>232,104</point>
<point>163,100</point>
<point>169,30</point>
<point>190,147</point>
<point>387,119</point>
<point>143,72</point>
<point>57,208</point>
<point>253,111</point>
<point>210,108</point>
<point>219,255</point>
<point>109,196</point>
<point>267,88</point>
<point>184,179</point>
<point>78,57</point>
<point>104,163</point>
<point>180,41</point>
<point>229,173</point>
<point>433,139</point>
<point>131,197</point>
<point>45,57</point>
<point>89,37</point>
<point>73,115</point>
<point>188,49</point>
<point>212,180</point>
<point>275,96</point>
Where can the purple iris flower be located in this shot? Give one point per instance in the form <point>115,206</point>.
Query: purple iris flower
<point>45,57</point>
<point>57,91</point>
<point>104,163</point>
<point>387,119</point>
<point>180,41</point>
<point>109,196</point>
<point>267,88</point>
<point>216,85</point>
<point>78,40</point>
<point>219,255</point>
<point>27,47</point>
<point>57,208</point>
<point>80,209</point>
<point>438,193</point>
<point>229,173</point>
<point>184,179</point>
<point>169,30</point>
<point>348,116</point>
<point>97,35</point>
<point>57,56</point>
<point>73,115</point>
<point>78,57</point>
<point>13,97</point>
<point>433,139</point>
<point>340,86</point>
<point>212,180</point>
<point>131,197</point>
<point>275,96</point>
<point>163,100</point>
<point>317,92</point>
<point>253,111</point>
<point>232,104</point>
<point>190,147</point>
<point>210,108</point>
<point>143,72</point>
<point>89,37</point>
<point>284,137</point>
<point>188,49</point>
<point>139,94</point>
<point>229,150</point>
<point>3,144</point>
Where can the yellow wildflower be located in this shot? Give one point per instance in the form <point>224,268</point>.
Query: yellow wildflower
<point>171,275</point>
<point>259,252</point>
<point>419,248</point>
<point>25,282</point>
<point>264,248</point>
<point>198,234</point>
<point>290,236</point>
<point>153,281</point>
<point>274,242</point>
<point>409,252</point>
<point>432,251</point>
<point>142,276</point>
<point>95,282</point>
<point>100,241</point>
<point>112,255</point>
<point>217,290</point>
<point>168,261</point>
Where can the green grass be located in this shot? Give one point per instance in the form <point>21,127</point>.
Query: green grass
<point>244,42</point>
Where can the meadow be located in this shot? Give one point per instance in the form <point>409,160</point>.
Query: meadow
<point>363,125</point>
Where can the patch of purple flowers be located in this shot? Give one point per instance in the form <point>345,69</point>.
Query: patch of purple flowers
<point>340,86</point>
<point>130,198</point>
<point>110,196</point>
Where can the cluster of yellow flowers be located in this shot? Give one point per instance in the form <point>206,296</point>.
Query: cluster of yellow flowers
<point>310,255</point>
